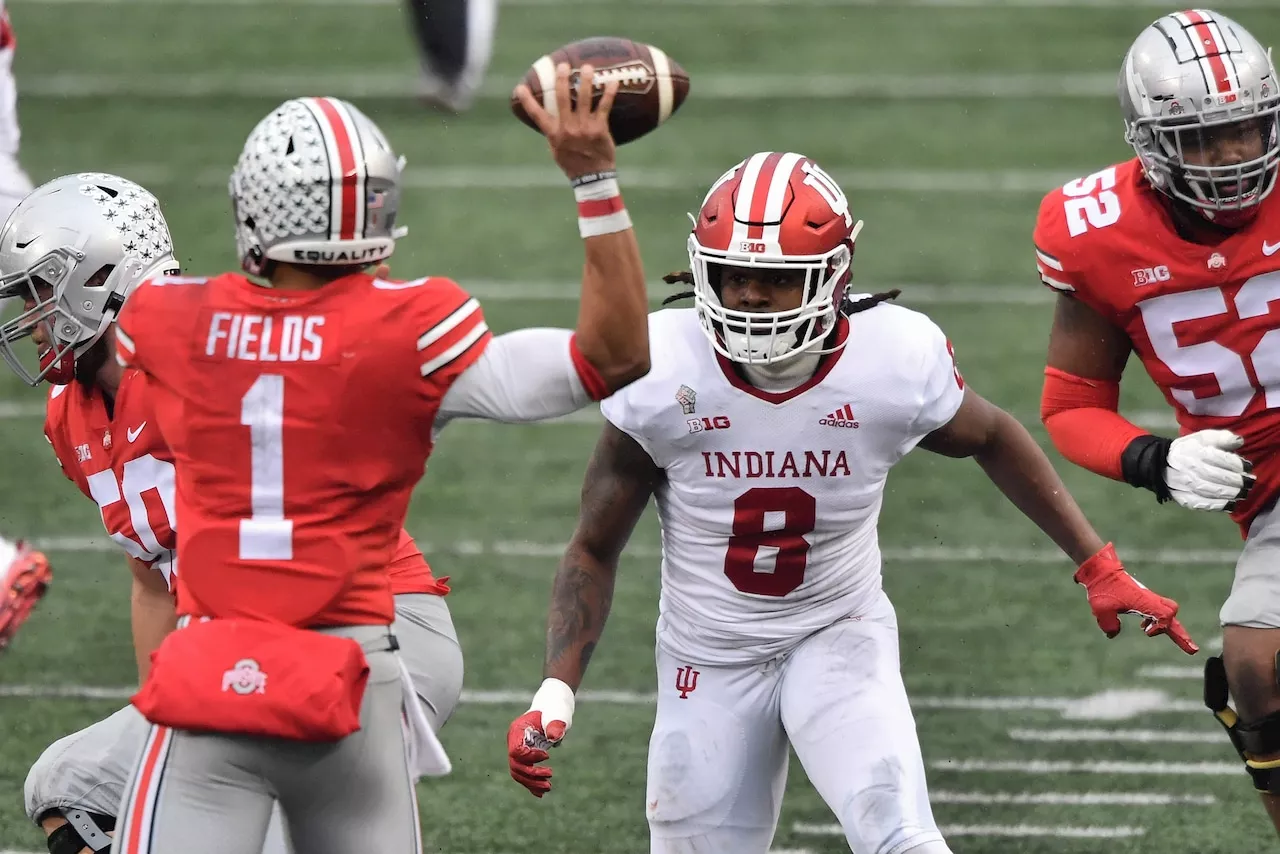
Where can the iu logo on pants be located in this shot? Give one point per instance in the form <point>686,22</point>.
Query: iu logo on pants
<point>686,681</point>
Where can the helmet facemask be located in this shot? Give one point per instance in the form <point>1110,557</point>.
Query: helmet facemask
<point>1163,146</point>
<point>69,332</point>
<point>770,337</point>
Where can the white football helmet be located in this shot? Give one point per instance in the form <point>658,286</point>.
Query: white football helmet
<point>316,183</point>
<point>70,253</point>
<point>1190,74</point>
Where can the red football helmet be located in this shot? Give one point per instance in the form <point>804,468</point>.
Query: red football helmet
<point>778,211</point>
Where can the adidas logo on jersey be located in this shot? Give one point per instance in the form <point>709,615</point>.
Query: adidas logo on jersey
<point>842,417</point>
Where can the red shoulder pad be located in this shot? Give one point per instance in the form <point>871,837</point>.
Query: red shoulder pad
<point>138,316</point>
<point>1078,219</point>
<point>451,329</point>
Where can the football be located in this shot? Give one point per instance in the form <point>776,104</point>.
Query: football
<point>652,86</point>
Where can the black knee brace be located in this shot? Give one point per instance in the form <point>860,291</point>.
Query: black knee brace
<point>83,829</point>
<point>1256,738</point>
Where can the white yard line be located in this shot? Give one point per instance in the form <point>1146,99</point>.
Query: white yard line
<point>1012,294</point>
<point>1008,830</point>
<point>630,698</point>
<point>1072,799</point>
<point>1152,419</point>
<point>707,86</point>
<point>506,178</point>
<point>1043,766</point>
<point>1173,671</point>
<point>681,4</point>
<point>928,554</point>
<point>1119,736</point>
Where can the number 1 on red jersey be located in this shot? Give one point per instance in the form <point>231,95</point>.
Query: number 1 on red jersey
<point>267,535</point>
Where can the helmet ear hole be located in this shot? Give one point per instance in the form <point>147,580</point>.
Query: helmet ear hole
<point>99,278</point>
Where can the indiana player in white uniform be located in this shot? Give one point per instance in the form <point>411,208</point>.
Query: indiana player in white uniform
<point>767,452</point>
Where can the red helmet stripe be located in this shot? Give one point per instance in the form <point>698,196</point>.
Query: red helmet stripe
<point>1204,35</point>
<point>339,133</point>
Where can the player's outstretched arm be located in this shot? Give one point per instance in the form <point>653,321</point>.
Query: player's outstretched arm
<point>152,613</point>
<point>1087,355</point>
<point>1014,463</point>
<point>620,479</point>
<point>612,333</point>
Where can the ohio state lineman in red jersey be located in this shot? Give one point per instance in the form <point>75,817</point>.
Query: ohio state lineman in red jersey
<point>300,417</point>
<point>1173,256</point>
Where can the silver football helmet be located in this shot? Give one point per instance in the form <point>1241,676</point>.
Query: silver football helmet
<point>316,183</point>
<point>1188,76</point>
<point>70,253</point>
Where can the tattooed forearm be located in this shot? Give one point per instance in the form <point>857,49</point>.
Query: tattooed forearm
<point>580,600</point>
<point>620,479</point>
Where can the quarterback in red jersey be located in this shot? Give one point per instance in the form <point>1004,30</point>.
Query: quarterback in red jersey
<point>1173,256</point>
<point>300,415</point>
<point>99,423</point>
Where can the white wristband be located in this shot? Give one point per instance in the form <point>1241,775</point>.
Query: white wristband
<point>600,209</point>
<point>598,225</point>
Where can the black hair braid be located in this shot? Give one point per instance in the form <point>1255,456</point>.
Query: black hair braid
<point>683,277</point>
<point>855,306</point>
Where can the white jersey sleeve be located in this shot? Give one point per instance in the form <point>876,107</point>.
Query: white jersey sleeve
<point>526,375</point>
<point>644,409</point>
<point>943,388</point>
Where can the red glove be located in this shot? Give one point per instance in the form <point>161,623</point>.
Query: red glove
<point>26,576</point>
<point>528,741</point>
<point>527,745</point>
<point>1113,591</point>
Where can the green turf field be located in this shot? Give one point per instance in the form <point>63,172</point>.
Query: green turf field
<point>1010,678</point>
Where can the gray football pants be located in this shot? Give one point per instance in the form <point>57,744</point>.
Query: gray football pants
<point>209,793</point>
<point>88,769</point>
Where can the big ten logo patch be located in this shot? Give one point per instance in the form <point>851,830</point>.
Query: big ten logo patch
<point>1150,275</point>
<point>701,425</point>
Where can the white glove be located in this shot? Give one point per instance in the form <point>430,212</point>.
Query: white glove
<point>1204,472</point>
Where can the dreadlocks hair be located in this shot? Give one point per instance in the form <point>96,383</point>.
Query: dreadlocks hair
<point>855,306</point>
<point>848,307</point>
<point>684,277</point>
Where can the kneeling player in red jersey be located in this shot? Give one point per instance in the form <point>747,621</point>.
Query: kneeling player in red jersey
<point>1173,256</point>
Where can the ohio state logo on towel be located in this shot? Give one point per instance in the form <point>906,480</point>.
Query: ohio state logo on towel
<point>245,678</point>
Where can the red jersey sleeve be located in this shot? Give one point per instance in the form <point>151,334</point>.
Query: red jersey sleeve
<point>1086,236</point>
<point>452,333</point>
<point>1056,260</point>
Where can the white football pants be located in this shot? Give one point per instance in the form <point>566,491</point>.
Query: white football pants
<point>718,754</point>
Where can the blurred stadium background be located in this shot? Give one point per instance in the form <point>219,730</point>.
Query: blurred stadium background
<point>945,120</point>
